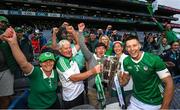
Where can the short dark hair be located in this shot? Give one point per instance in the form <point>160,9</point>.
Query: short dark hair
<point>101,44</point>
<point>130,37</point>
<point>171,43</point>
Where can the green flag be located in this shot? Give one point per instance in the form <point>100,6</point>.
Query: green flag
<point>152,6</point>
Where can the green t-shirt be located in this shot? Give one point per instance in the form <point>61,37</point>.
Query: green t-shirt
<point>109,51</point>
<point>42,90</point>
<point>147,86</point>
<point>11,62</point>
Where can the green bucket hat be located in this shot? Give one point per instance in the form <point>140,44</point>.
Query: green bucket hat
<point>46,56</point>
<point>2,18</point>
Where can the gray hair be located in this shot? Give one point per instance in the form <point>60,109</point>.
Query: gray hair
<point>62,43</point>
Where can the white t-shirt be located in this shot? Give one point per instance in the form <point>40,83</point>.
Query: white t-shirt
<point>67,67</point>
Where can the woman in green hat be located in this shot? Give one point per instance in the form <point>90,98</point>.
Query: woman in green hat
<point>43,78</point>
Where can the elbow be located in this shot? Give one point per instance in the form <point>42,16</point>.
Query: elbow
<point>24,66</point>
<point>74,79</point>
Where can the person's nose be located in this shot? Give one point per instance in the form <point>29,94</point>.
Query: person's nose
<point>131,48</point>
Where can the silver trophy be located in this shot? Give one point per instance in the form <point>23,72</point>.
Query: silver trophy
<point>111,66</point>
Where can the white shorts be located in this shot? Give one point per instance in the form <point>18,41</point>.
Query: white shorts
<point>138,105</point>
<point>6,83</point>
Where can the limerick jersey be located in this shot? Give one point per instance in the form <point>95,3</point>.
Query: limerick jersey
<point>147,73</point>
<point>42,88</point>
<point>67,67</point>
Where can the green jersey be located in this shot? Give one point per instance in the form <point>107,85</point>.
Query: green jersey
<point>146,73</point>
<point>8,56</point>
<point>11,62</point>
<point>42,89</point>
<point>109,51</point>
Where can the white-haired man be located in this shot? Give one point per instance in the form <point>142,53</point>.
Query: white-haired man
<point>69,73</point>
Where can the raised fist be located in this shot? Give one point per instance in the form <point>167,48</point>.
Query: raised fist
<point>9,32</point>
<point>81,27</point>
<point>55,30</point>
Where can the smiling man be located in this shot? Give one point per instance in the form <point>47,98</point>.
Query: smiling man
<point>148,72</point>
<point>70,76</point>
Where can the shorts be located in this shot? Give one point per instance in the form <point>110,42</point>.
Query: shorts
<point>6,83</point>
<point>138,105</point>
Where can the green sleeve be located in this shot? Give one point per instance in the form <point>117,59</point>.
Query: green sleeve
<point>126,64</point>
<point>63,64</point>
<point>160,26</point>
<point>159,64</point>
<point>171,36</point>
<point>34,73</point>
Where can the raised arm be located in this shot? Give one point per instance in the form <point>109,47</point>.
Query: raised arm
<point>87,53</point>
<point>54,37</point>
<point>160,26</point>
<point>71,30</point>
<point>10,37</point>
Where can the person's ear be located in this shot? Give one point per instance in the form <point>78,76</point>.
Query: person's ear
<point>140,46</point>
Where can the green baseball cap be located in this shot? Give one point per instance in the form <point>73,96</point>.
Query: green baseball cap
<point>18,29</point>
<point>46,56</point>
<point>2,18</point>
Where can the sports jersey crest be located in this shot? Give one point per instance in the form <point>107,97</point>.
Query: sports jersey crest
<point>145,68</point>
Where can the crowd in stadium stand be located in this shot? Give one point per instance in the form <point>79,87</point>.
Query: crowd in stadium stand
<point>33,52</point>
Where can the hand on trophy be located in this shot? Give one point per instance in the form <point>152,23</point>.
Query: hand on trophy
<point>97,69</point>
